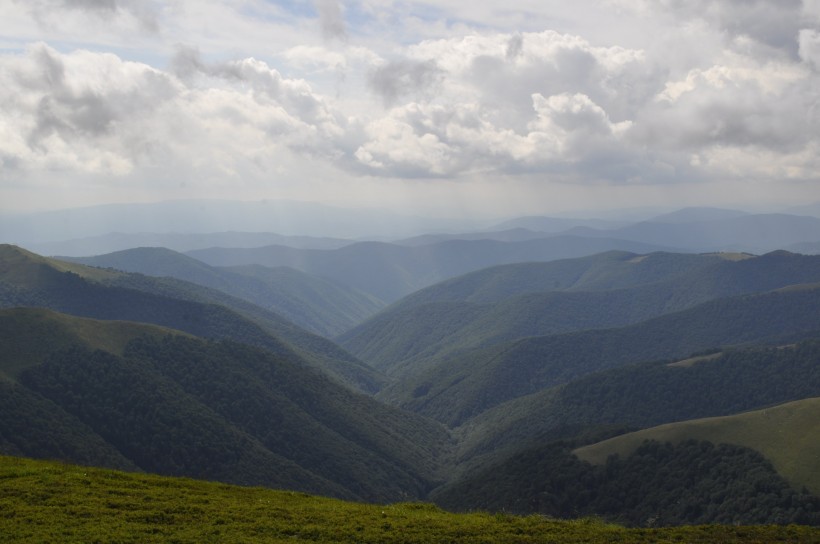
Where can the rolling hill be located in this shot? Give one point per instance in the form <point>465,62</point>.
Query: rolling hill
<point>646,395</point>
<point>45,501</point>
<point>27,279</point>
<point>535,299</point>
<point>787,435</point>
<point>119,241</point>
<point>178,405</point>
<point>461,387</point>
<point>390,271</point>
<point>316,304</point>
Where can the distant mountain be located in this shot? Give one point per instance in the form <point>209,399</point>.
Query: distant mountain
<point>118,241</point>
<point>509,235</point>
<point>458,388</point>
<point>812,209</point>
<point>508,302</point>
<point>555,224</point>
<point>695,215</point>
<point>807,248</point>
<point>286,217</point>
<point>27,279</point>
<point>215,410</point>
<point>390,271</point>
<point>317,304</point>
<point>752,233</point>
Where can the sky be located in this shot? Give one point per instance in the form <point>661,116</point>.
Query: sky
<point>438,107</point>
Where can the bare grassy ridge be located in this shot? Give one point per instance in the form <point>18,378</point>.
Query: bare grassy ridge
<point>785,434</point>
<point>52,502</point>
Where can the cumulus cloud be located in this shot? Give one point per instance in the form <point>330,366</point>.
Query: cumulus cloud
<point>96,113</point>
<point>717,90</point>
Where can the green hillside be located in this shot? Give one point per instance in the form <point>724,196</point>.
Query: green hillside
<point>178,405</point>
<point>28,335</point>
<point>787,435</point>
<point>27,279</point>
<point>317,304</point>
<point>646,395</point>
<point>50,502</point>
<point>688,483</point>
<point>463,386</point>
<point>536,299</point>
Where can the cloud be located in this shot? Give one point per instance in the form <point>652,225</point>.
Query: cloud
<point>95,113</point>
<point>401,78</point>
<point>130,12</point>
<point>331,20</point>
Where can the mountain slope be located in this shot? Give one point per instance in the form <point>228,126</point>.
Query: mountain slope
<point>603,291</point>
<point>389,271</point>
<point>181,405</point>
<point>27,279</point>
<point>787,435</point>
<point>147,508</point>
<point>463,386</point>
<point>647,395</point>
<point>315,304</point>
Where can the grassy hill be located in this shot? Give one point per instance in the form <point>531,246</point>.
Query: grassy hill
<point>27,279</point>
<point>179,405</point>
<point>391,271</point>
<point>44,502</point>
<point>316,304</point>
<point>787,435</point>
<point>463,386</point>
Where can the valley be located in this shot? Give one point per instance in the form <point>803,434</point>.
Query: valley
<point>502,374</point>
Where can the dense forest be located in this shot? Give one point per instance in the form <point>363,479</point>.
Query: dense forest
<point>519,389</point>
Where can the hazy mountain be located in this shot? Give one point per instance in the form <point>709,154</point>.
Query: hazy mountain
<point>290,218</point>
<point>509,235</point>
<point>390,271</point>
<point>753,233</point>
<point>812,209</point>
<point>535,299</point>
<point>214,410</point>
<point>317,304</point>
<point>27,279</point>
<point>556,224</point>
<point>695,215</point>
<point>118,241</point>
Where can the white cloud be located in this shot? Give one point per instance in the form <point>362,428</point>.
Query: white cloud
<point>269,94</point>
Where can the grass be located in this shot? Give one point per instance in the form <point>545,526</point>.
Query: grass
<point>787,435</point>
<point>53,502</point>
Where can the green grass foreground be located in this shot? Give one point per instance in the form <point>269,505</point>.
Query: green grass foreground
<point>53,502</point>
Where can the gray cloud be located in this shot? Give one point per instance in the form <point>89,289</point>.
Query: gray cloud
<point>771,23</point>
<point>331,19</point>
<point>397,79</point>
<point>144,13</point>
<point>515,46</point>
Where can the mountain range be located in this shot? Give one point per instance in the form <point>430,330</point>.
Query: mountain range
<point>508,370</point>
